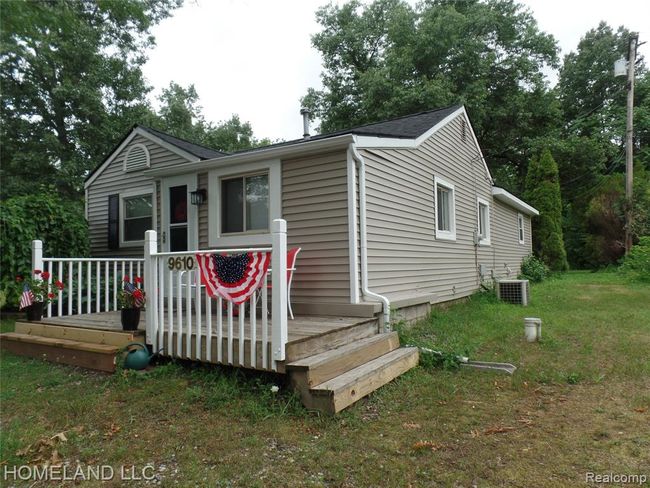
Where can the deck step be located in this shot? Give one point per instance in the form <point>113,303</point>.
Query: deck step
<point>340,392</point>
<point>80,334</point>
<point>84,354</point>
<point>319,368</point>
<point>309,346</point>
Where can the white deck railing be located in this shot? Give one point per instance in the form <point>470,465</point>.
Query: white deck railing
<point>91,284</point>
<point>183,320</point>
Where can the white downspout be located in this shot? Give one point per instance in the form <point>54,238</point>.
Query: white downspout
<point>363,236</point>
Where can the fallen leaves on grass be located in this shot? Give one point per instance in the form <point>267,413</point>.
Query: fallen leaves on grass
<point>429,445</point>
<point>113,429</point>
<point>43,450</point>
<point>411,425</point>
<point>641,410</point>
<point>492,430</point>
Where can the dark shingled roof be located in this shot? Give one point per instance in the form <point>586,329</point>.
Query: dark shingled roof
<point>187,146</point>
<point>406,127</point>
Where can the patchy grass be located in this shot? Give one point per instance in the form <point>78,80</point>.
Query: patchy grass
<point>579,402</point>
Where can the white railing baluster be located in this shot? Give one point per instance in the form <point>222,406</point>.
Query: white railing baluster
<point>49,281</point>
<point>170,312</point>
<point>197,307</point>
<point>279,285</point>
<point>229,332</point>
<point>131,270</point>
<point>220,330</point>
<point>138,269</point>
<point>79,287</point>
<point>242,334</point>
<point>106,293</point>
<point>123,271</point>
<point>115,279</point>
<point>253,325</point>
<point>70,287</point>
<point>265,324</point>
<point>98,297</point>
<point>188,309</point>
<point>89,270</point>
<point>208,325</point>
<point>161,302</point>
<point>179,313</point>
<point>60,293</point>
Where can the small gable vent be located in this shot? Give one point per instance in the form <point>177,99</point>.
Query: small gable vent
<point>137,157</point>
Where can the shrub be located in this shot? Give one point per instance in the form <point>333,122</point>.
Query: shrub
<point>533,269</point>
<point>60,224</point>
<point>636,265</point>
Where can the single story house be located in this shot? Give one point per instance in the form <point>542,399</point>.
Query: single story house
<point>395,215</point>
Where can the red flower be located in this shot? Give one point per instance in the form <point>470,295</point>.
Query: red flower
<point>50,295</point>
<point>59,285</point>
<point>37,271</point>
<point>137,279</point>
<point>19,279</point>
<point>125,279</point>
<point>137,294</point>
<point>45,275</point>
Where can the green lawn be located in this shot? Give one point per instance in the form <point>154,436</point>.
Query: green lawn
<point>579,402</point>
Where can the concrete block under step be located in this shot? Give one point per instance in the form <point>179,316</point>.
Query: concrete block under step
<point>100,357</point>
<point>334,395</point>
<point>319,368</point>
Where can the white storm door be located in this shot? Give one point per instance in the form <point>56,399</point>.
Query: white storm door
<point>179,217</point>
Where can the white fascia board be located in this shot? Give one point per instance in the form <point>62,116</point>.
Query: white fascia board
<point>138,131</point>
<point>374,142</point>
<point>508,198</point>
<point>292,150</point>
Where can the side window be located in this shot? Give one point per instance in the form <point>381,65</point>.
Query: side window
<point>520,228</point>
<point>445,209</point>
<point>483,221</point>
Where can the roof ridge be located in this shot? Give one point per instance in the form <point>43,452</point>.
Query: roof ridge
<point>146,127</point>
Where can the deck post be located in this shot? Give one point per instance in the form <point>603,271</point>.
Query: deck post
<point>279,335</point>
<point>150,286</point>
<point>37,256</point>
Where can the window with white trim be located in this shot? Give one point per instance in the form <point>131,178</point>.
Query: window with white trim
<point>245,204</point>
<point>136,217</point>
<point>520,228</point>
<point>483,218</point>
<point>445,209</point>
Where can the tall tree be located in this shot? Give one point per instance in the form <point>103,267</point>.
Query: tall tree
<point>543,192</point>
<point>72,83</point>
<point>389,59</point>
<point>181,115</point>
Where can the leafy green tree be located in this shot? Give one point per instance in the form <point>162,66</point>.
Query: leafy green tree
<point>543,192</point>
<point>388,59</point>
<point>181,115</point>
<point>72,84</point>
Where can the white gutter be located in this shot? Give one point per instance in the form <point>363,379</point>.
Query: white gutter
<point>363,237</point>
<point>509,199</point>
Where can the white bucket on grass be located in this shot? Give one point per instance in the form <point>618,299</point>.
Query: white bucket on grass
<point>533,329</point>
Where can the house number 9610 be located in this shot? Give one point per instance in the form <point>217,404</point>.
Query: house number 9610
<point>181,263</point>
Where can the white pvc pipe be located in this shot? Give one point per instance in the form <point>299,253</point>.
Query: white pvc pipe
<point>364,240</point>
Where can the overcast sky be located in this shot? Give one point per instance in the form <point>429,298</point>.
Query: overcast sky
<point>254,57</point>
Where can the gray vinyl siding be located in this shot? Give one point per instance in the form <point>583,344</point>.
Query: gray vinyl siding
<point>404,257</point>
<point>506,252</point>
<point>113,180</point>
<point>314,204</point>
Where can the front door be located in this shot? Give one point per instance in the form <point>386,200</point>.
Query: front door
<point>179,217</point>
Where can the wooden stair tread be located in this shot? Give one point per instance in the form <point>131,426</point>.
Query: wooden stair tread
<point>63,343</point>
<point>317,360</point>
<point>119,338</point>
<point>353,385</point>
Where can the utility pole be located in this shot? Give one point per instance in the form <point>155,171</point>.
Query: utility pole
<point>629,143</point>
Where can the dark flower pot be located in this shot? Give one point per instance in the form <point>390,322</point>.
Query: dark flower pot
<point>130,318</point>
<point>35,312</point>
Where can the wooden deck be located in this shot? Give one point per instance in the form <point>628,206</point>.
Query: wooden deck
<point>307,335</point>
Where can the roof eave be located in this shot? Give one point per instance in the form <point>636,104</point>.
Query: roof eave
<point>508,198</point>
<point>294,150</point>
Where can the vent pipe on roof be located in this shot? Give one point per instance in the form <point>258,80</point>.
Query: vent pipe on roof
<point>305,112</point>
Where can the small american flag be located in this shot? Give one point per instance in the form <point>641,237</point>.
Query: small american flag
<point>27,298</point>
<point>138,298</point>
